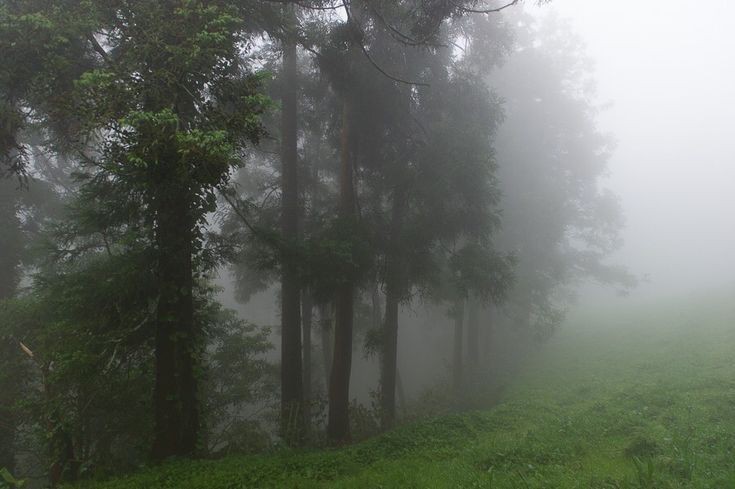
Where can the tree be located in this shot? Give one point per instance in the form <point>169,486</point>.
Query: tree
<point>552,157</point>
<point>354,55</point>
<point>34,200</point>
<point>292,399</point>
<point>338,425</point>
<point>436,173</point>
<point>160,116</point>
<point>11,244</point>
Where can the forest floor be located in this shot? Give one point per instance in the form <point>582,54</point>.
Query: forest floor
<point>621,399</point>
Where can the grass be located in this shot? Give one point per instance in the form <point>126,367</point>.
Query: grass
<point>639,400</point>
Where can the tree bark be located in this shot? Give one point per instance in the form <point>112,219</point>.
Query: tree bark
<point>458,343</point>
<point>389,359</point>
<point>292,414</point>
<point>11,239</point>
<point>393,291</point>
<point>473,336</point>
<point>338,422</point>
<point>325,330</point>
<point>400,392</point>
<point>7,415</point>
<point>306,319</point>
<point>10,247</point>
<point>175,397</point>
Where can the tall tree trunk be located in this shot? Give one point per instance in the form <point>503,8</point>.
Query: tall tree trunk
<point>188,385</point>
<point>389,358</point>
<point>393,291</point>
<point>488,361</point>
<point>489,338</point>
<point>338,422</point>
<point>458,343</point>
<point>11,244</point>
<point>10,248</point>
<point>325,329</point>
<point>377,309</point>
<point>307,308</point>
<point>175,398</point>
<point>7,413</point>
<point>400,392</point>
<point>291,368</point>
<point>473,336</point>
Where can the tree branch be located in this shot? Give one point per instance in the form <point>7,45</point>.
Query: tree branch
<point>98,48</point>
<point>486,11</point>
<point>370,59</point>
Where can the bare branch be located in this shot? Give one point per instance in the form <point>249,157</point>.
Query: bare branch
<point>398,34</point>
<point>370,59</point>
<point>238,212</point>
<point>98,48</point>
<point>26,350</point>
<point>329,6</point>
<point>486,11</point>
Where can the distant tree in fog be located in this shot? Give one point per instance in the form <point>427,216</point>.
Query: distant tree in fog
<point>557,216</point>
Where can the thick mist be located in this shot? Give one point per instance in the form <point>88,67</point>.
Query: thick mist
<point>665,79</point>
<point>367,243</point>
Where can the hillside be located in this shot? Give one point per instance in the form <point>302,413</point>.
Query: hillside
<point>640,399</point>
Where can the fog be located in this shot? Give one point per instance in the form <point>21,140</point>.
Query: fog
<point>666,80</point>
<point>262,230</point>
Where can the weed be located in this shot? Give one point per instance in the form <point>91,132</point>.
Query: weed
<point>645,472</point>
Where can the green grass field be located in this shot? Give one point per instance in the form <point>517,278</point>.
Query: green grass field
<point>635,399</point>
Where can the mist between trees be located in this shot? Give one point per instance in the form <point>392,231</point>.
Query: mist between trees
<point>414,185</point>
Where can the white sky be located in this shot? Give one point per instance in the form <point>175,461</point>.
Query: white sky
<point>668,67</point>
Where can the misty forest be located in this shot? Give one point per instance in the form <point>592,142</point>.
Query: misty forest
<point>366,243</point>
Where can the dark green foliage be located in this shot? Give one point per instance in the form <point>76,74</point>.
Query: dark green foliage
<point>7,481</point>
<point>236,382</point>
<point>86,324</point>
<point>11,239</point>
<point>175,108</point>
<point>44,47</point>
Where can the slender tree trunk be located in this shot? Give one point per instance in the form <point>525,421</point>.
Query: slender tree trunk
<point>325,329</point>
<point>175,398</point>
<point>400,392</point>
<point>488,361</point>
<point>473,336</point>
<point>10,239</point>
<point>489,336</point>
<point>306,319</point>
<point>377,309</point>
<point>188,384</point>
<point>291,367</point>
<point>389,359</point>
<point>458,343</point>
<point>65,467</point>
<point>7,414</point>
<point>10,246</point>
<point>338,422</point>
<point>393,290</point>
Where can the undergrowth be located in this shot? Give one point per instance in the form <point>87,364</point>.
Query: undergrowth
<point>646,401</point>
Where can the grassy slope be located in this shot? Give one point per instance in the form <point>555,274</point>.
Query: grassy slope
<point>659,390</point>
